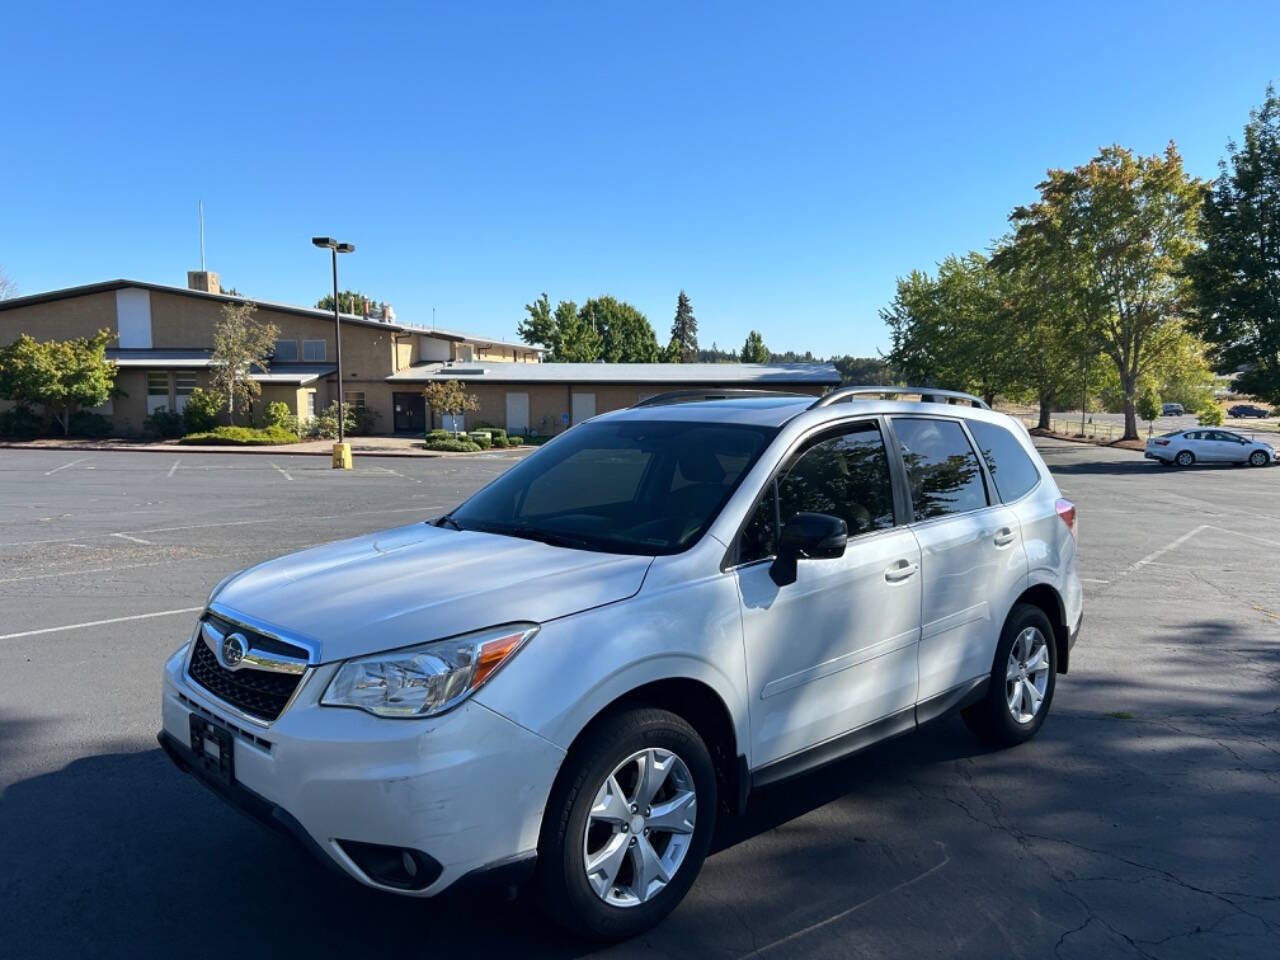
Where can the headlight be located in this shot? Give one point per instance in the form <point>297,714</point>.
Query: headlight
<point>425,680</point>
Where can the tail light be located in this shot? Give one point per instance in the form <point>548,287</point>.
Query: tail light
<point>1067,513</point>
<point>1160,443</point>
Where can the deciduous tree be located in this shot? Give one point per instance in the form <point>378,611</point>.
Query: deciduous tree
<point>61,375</point>
<point>1236,277</point>
<point>240,344</point>
<point>448,396</point>
<point>1123,225</point>
<point>625,333</point>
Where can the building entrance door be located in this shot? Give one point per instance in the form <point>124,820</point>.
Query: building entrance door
<point>410,412</point>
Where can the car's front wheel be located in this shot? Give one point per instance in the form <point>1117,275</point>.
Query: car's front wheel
<point>1022,680</point>
<point>1258,458</point>
<point>628,825</point>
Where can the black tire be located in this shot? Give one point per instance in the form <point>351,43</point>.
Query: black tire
<point>1185,458</point>
<point>1258,459</point>
<point>563,889</point>
<point>990,718</point>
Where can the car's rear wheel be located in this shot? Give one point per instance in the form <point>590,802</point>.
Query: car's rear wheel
<point>1022,680</point>
<point>1258,458</point>
<point>628,825</point>
<point>1185,458</point>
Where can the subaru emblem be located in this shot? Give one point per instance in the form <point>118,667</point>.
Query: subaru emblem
<point>234,647</point>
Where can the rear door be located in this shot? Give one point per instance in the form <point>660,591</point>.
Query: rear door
<point>836,649</point>
<point>971,552</point>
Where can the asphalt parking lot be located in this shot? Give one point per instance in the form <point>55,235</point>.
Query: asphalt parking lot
<point>1142,822</point>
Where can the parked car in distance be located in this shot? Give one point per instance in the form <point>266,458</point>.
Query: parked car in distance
<point>566,679</point>
<point>1172,410</point>
<point>1247,410</point>
<point>1208,445</point>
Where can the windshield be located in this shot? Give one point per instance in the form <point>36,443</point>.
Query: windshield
<point>620,487</point>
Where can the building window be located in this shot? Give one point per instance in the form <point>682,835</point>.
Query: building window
<point>157,391</point>
<point>311,404</point>
<point>313,351</point>
<point>286,351</point>
<point>354,400</point>
<point>183,384</point>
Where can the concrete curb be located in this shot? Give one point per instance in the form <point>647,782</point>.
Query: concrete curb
<point>279,451</point>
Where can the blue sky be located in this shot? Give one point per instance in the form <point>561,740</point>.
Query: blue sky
<point>781,163</point>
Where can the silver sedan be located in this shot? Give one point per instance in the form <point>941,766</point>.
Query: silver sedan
<point>1208,445</point>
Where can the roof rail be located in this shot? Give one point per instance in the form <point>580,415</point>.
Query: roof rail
<point>926,394</point>
<point>694,396</point>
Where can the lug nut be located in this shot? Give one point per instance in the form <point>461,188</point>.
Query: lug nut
<point>633,841</point>
<point>626,827</point>
<point>634,808</point>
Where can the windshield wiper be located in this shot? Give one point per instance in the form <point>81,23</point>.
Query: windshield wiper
<point>544,536</point>
<point>447,521</point>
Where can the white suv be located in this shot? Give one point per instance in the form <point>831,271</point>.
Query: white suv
<point>569,677</point>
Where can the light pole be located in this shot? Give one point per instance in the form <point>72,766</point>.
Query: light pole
<point>336,248</point>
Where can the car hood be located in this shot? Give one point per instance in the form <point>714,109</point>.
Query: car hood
<point>418,583</point>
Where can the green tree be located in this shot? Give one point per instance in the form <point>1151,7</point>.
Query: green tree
<point>61,375</point>
<point>1148,402</point>
<point>240,344</point>
<point>683,346</point>
<point>953,331</point>
<point>864,370</point>
<point>539,328</point>
<point>1236,277</point>
<point>577,340</point>
<point>753,349</point>
<point>449,396</point>
<point>349,301</point>
<point>201,411</point>
<point>625,333</point>
<point>1210,415</point>
<point>1121,227</point>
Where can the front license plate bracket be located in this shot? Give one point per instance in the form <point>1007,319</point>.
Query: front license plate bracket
<point>214,749</point>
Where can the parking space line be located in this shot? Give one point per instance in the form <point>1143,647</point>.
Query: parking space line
<point>125,536</point>
<point>175,466</point>
<point>228,523</point>
<point>98,623</point>
<point>49,473</point>
<point>280,470</point>
<point>1156,554</point>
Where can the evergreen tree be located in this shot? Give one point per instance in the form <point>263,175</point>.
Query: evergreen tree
<point>683,347</point>
<point>1236,277</point>
<point>754,350</point>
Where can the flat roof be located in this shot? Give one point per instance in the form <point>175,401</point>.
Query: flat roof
<point>66,293</point>
<point>675,374</point>
<point>288,373</point>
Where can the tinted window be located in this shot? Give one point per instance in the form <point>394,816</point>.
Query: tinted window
<point>620,486</point>
<point>942,469</point>
<point>846,476</point>
<point>1012,470</point>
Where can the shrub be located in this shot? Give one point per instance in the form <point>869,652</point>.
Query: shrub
<point>499,440</point>
<point>278,415</point>
<point>1148,405</point>
<point>482,438</point>
<point>86,423</point>
<point>1210,416</point>
<point>452,445</point>
<point>21,423</point>
<point>494,432</point>
<point>164,423</point>
<point>201,411</point>
<point>515,441</point>
<point>438,434</point>
<point>357,422</point>
<point>241,436</point>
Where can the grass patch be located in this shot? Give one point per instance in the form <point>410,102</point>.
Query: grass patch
<point>241,437</point>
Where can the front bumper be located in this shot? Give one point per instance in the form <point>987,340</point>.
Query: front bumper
<point>466,789</point>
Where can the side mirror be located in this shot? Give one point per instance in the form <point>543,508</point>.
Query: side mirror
<point>811,536</point>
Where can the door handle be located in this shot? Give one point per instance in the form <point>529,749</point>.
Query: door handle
<point>1004,537</point>
<point>900,571</point>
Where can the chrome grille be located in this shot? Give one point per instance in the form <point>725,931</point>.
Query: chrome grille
<point>259,693</point>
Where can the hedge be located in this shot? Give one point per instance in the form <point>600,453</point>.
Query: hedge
<point>451,445</point>
<point>241,436</point>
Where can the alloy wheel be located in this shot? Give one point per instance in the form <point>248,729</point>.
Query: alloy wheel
<point>1027,675</point>
<point>1185,459</point>
<point>640,827</point>
<point>1258,458</point>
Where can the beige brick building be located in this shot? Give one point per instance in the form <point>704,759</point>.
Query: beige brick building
<point>165,338</point>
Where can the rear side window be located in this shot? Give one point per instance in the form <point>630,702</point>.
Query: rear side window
<point>942,469</point>
<point>1012,470</point>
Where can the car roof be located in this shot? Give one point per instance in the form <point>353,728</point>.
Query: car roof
<point>777,410</point>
